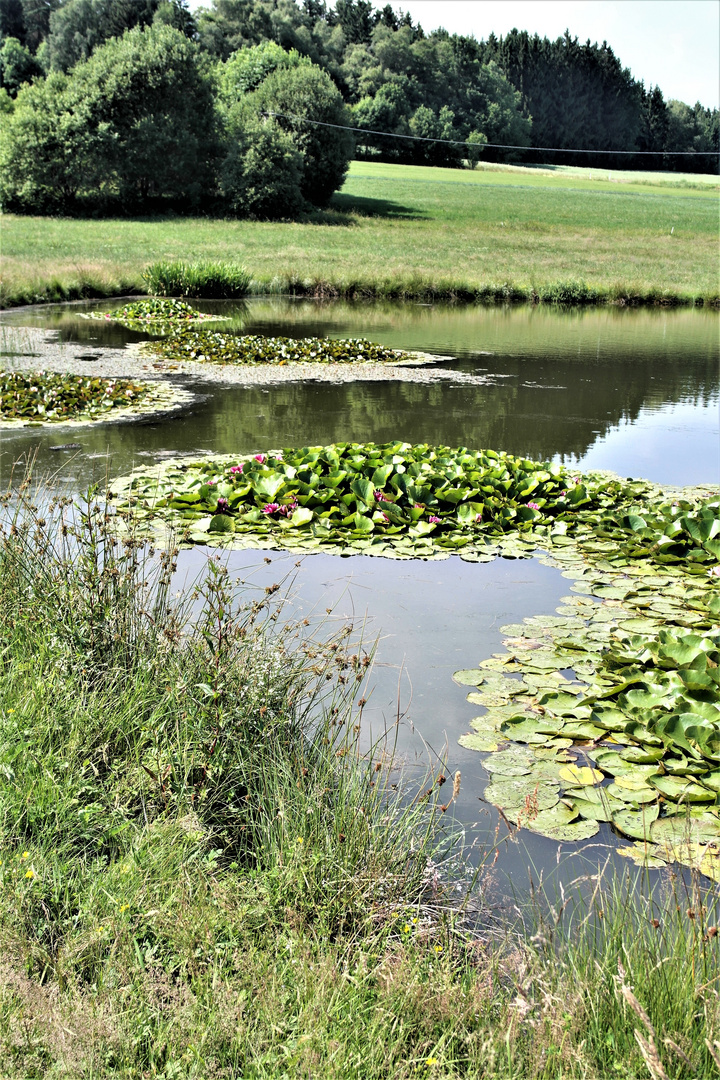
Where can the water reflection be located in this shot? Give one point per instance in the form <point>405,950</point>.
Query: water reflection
<point>602,388</point>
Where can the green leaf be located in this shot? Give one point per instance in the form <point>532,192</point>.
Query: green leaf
<point>678,788</point>
<point>268,486</point>
<point>363,489</point>
<point>221,523</point>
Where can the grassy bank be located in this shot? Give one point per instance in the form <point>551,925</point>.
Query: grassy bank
<point>412,232</point>
<point>203,876</point>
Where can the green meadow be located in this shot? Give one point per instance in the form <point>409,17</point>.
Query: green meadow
<point>410,231</point>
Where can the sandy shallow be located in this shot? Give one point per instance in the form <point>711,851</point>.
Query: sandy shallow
<point>35,349</point>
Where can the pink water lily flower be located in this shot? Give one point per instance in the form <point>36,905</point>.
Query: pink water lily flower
<point>260,458</point>
<point>533,506</point>
<point>271,508</point>
<point>236,468</point>
<point>434,520</point>
<point>380,496</point>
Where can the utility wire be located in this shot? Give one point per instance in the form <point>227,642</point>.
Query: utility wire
<point>494,146</point>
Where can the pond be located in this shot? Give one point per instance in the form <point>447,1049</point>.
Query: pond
<point>635,391</point>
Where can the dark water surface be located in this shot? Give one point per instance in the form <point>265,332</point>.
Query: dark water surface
<point>637,392</point>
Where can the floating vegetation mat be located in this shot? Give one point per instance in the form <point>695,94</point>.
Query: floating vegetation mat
<point>45,397</point>
<point>608,711</point>
<point>393,499</point>
<point>213,347</point>
<point>154,314</point>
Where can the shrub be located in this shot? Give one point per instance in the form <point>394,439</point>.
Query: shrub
<point>129,125</point>
<point>308,94</point>
<point>262,173</point>
<point>568,292</point>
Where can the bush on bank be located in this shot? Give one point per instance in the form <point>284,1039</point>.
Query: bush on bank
<point>140,126</point>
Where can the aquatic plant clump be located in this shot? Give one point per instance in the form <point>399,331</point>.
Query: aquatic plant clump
<point>156,310</point>
<point>45,396</point>
<point>393,499</point>
<point>212,347</point>
<point>609,711</point>
<point>210,278</point>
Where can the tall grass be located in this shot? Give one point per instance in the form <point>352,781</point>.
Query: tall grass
<point>204,278</point>
<point>202,876</point>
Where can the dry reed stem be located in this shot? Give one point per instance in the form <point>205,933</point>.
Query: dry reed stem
<point>672,1045</point>
<point>648,1047</point>
<point>714,1050</point>
<point>651,1057</point>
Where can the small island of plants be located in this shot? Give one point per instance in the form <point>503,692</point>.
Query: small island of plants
<point>50,397</point>
<point>146,314</point>
<point>212,347</point>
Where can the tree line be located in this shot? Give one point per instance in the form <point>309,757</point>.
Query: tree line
<point>134,103</point>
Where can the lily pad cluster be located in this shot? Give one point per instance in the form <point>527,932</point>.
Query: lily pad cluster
<point>213,347</point>
<point>143,314</point>
<point>392,499</point>
<point>609,711</point>
<point>44,396</point>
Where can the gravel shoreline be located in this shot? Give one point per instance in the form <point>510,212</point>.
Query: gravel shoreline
<point>34,349</point>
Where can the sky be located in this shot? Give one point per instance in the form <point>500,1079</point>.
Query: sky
<point>673,44</point>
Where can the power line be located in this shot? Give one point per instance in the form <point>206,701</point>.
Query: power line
<point>493,146</point>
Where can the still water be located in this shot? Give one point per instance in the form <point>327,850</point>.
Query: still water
<point>633,391</point>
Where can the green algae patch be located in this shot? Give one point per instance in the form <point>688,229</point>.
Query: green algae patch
<point>214,347</point>
<point>31,398</point>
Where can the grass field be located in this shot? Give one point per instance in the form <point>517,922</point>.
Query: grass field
<point>394,230</point>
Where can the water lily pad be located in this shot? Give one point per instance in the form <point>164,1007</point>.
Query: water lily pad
<point>679,788</point>
<point>560,823</point>
<point>581,775</point>
<point>643,855</point>
<point>677,830</point>
<point>636,823</point>
<point>634,796</point>
<point>513,762</point>
<point>592,811</point>
<point>478,742</point>
<point>523,731</point>
<point>522,791</point>
<point>469,677</point>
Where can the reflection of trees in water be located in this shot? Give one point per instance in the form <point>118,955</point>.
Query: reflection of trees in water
<point>565,379</point>
<point>512,416</point>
